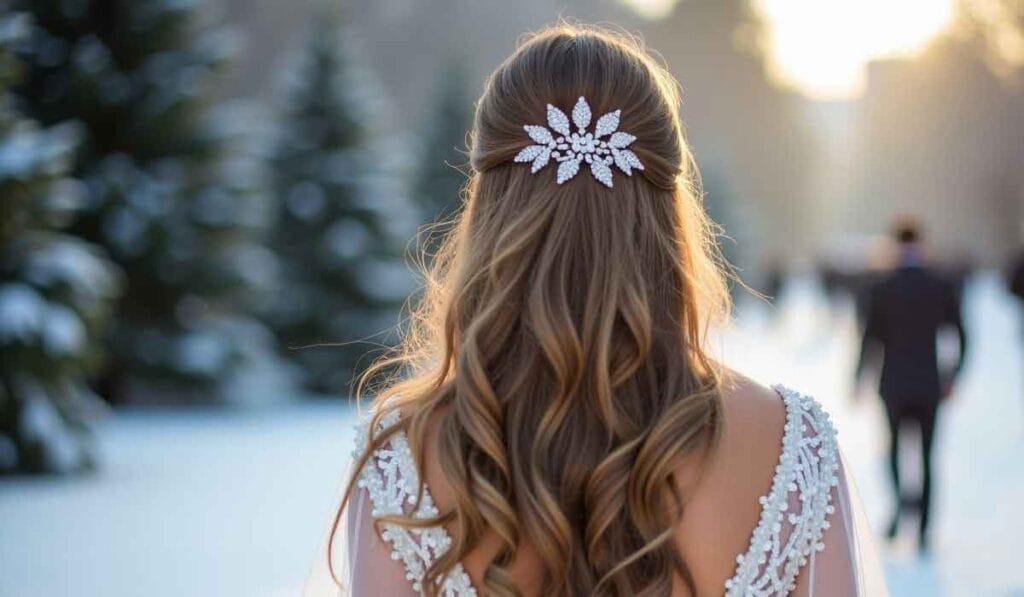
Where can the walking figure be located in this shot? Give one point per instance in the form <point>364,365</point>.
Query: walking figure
<point>906,311</point>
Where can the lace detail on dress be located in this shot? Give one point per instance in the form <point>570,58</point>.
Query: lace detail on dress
<point>788,536</point>
<point>392,481</point>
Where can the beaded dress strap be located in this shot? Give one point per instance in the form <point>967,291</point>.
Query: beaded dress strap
<point>392,482</point>
<point>786,537</point>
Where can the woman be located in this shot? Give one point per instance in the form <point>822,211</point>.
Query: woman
<point>557,426</point>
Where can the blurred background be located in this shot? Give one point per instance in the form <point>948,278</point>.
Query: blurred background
<point>206,209</point>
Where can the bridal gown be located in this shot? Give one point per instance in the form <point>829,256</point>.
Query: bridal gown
<point>811,538</point>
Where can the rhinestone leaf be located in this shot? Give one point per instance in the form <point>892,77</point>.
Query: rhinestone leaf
<point>567,170</point>
<point>608,124</point>
<point>626,160</point>
<point>581,114</point>
<point>621,162</point>
<point>539,134</point>
<point>620,140</point>
<point>558,121</point>
<point>632,159</point>
<point>601,172</point>
<point>541,160</point>
<point>529,153</point>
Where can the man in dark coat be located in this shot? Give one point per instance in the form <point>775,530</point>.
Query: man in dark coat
<point>1015,277</point>
<point>906,310</point>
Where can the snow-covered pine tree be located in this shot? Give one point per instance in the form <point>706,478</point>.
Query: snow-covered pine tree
<point>164,194</point>
<point>341,253</point>
<point>55,290</point>
<point>444,163</point>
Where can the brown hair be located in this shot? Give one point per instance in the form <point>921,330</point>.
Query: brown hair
<point>906,230</point>
<point>559,340</point>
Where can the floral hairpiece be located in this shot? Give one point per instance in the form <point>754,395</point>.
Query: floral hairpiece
<point>570,149</point>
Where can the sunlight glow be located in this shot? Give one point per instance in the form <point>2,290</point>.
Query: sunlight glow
<point>821,47</point>
<point>651,9</point>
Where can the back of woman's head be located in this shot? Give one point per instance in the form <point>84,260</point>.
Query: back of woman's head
<point>558,344</point>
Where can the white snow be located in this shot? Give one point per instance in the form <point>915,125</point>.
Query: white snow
<point>979,477</point>
<point>40,421</point>
<point>154,196</point>
<point>28,150</point>
<point>217,502</point>
<point>257,265</point>
<point>385,279</point>
<point>91,56</point>
<point>63,331</point>
<point>15,27</point>
<point>216,206</point>
<point>203,352</point>
<point>305,200</point>
<point>208,502</point>
<point>21,312</point>
<point>66,195</point>
<point>260,377</point>
<point>126,229</point>
<point>69,261</point>
<point>346,239</point>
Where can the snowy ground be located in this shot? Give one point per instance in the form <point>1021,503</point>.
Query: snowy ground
<point>980,439</point>
<point>229,503</point>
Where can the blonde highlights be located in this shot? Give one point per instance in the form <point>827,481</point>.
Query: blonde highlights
<point>559,341</point>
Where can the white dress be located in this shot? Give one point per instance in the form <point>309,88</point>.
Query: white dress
<point>811,538</point>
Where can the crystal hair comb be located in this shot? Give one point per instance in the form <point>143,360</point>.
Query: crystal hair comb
<point>570,149</point>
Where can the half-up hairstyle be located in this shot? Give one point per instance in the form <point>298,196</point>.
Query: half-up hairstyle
<point>559,342</point>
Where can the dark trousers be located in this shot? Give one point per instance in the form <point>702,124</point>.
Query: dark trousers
<point>921,413</point>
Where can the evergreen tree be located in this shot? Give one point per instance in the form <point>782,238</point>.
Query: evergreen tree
<point>55,291</point>
<point>342,261</point>
<point>444,164</point>
<point>163,195</point>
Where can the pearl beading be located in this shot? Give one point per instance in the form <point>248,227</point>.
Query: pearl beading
<point>808,470</point>
<point>392,481</point>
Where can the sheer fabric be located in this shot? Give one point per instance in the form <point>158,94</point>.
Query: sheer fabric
<point>849,564</point>
<point>362,560</point>
<point>812,539</point>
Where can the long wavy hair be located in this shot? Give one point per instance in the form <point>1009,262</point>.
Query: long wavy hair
<point>559,340</point>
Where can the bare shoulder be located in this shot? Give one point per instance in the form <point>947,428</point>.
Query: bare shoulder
<point>722,508</point>
<point>753,414</point>
<point>753,421</point>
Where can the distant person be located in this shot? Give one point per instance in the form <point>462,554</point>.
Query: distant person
<point>774,280</point>
<point>906,310</point>
<point>1015,277</point>
<point>562,428</point>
